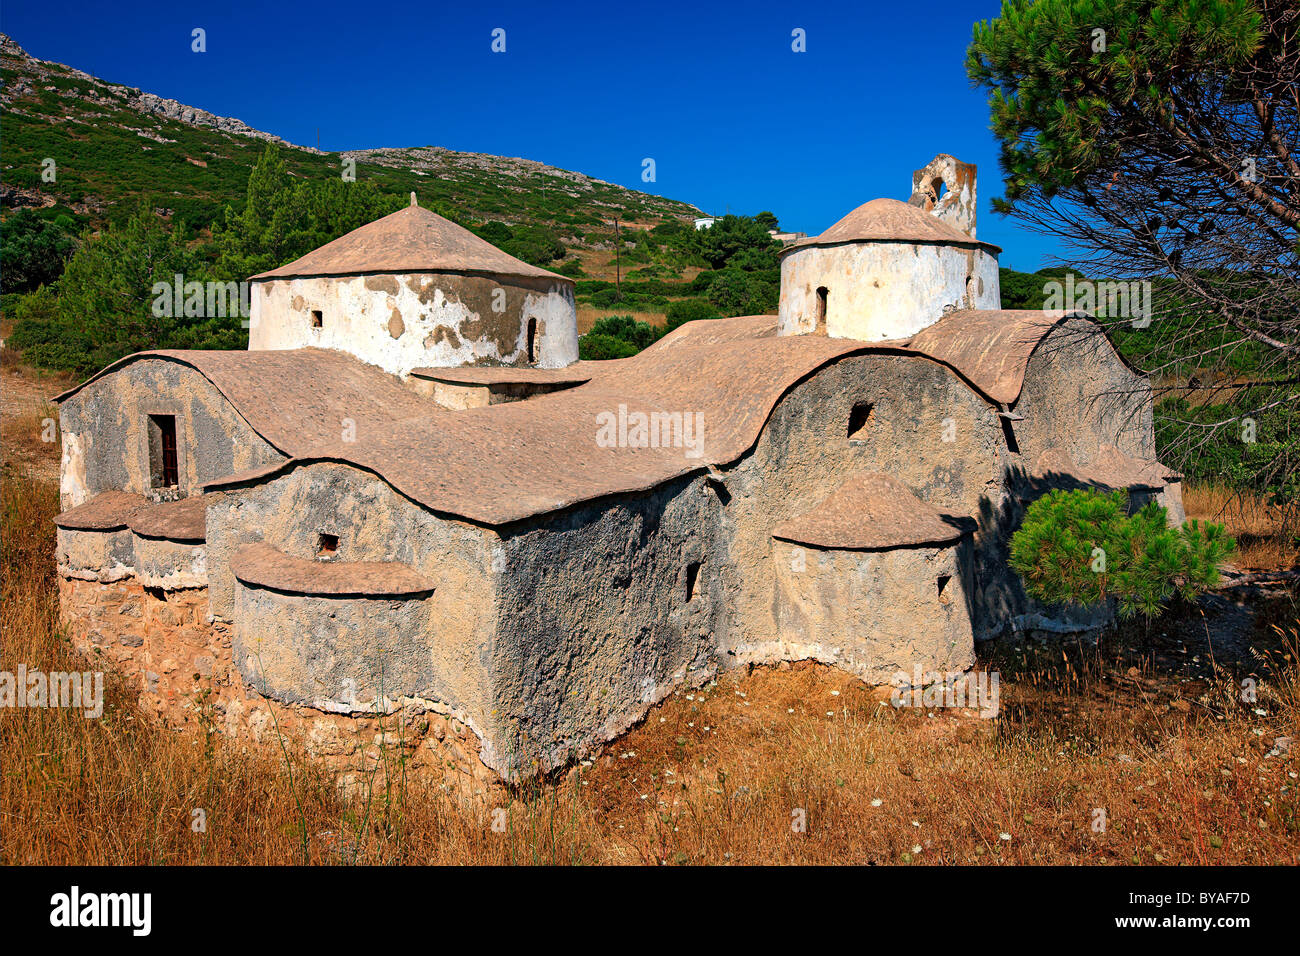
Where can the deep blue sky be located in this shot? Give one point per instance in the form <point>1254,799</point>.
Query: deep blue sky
<point>734,120</point>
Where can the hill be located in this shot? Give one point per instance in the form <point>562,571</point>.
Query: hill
<point>113,144</point>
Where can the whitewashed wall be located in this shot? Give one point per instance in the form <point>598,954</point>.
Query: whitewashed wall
<point>883,290</point>
<point>401,322</point>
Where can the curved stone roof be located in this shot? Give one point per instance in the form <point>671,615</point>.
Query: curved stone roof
<point>873,512</point>
<point>410,240</point>
<point>182,520</point>
<point>504,463</point>
<point>990,348</point>
<point>889,220</point>
<point>107,511</point>
<point>263,566</point>
<point>506,375</point>
<point>1113,465</point>
<point>296,399</point>
<point>1111,469</point>
<point>507,462</point>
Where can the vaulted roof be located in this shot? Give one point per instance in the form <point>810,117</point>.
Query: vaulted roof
<point>509,462</point>
<point>1110,468</point>
<point>296,399</point>
<point>412,239</point>
<point>989,347</point>
<point>889,220</point>
<point>107,511</point>
<point>512,461</point>
<point>873,512</point>
<point>263,566</point>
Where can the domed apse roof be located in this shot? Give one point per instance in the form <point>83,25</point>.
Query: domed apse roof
<point>889,220</point>
<point>410,240</point>
<point>873,512</point>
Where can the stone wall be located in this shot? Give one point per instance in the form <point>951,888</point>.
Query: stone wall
<point>458,397</point>
<point>875,613</point>
<point>924,427</point>
<point>105,432</point>
<point>401,322</point>
<point>1079,395</point>
<point>180,660</point>
<point>602,612</point>
<point>340,653</point>
<point>95,555</point>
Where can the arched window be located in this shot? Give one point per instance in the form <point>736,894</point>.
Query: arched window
<point>821,308</point>
<point>532,341</point>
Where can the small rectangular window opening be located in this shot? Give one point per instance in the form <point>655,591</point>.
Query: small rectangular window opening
<point>163,465</point>
<point>822,294</point>
<point>532,341</point>
<point>719,489</point>
<point>1009,434</point>
<point>317,319</point>
<point>692,575</point>
<point>860,421</point>
<point>326,545</point>
<point>942,584</point>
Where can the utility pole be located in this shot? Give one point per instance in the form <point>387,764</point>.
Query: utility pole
<point>618,251</point>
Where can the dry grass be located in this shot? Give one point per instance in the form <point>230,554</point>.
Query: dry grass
<point>1181,767</point>
<point>1266,539</point>
<point>28,434</point>
<point>600,264</point>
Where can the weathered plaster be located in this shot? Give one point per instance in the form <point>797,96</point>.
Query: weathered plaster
<point>105,432</point>
<point>96,555</point>
<point>883,290</point>
<point>927,429</point>
<point>401,322</point>
<point>1079,395</point>
<point>874,613</point>
<point>458,397</point>
<point>945,188</point>
<point>594,625</point>
<point>302,649</point>
<point>170,565</point>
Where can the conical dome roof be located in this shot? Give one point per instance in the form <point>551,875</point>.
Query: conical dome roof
<point>410,240</point>
<point>889,220</point>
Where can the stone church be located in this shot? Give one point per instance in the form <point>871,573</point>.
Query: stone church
<point>408,500</point>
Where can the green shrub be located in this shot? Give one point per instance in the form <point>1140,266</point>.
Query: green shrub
<point>102,306</point>
<point>736,291</point>
<point>617,336</point>
<point>729,237</point>
<point>33,249</point>
<point>630,330</point>
<point>689,310</point>
<point>1082,547</point>
<point>596,346</point>
<point>571,268</point>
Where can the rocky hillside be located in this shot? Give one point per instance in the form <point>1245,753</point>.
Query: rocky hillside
<point>111,144</point>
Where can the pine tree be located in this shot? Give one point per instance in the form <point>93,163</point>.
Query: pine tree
<point>1082,547</point>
